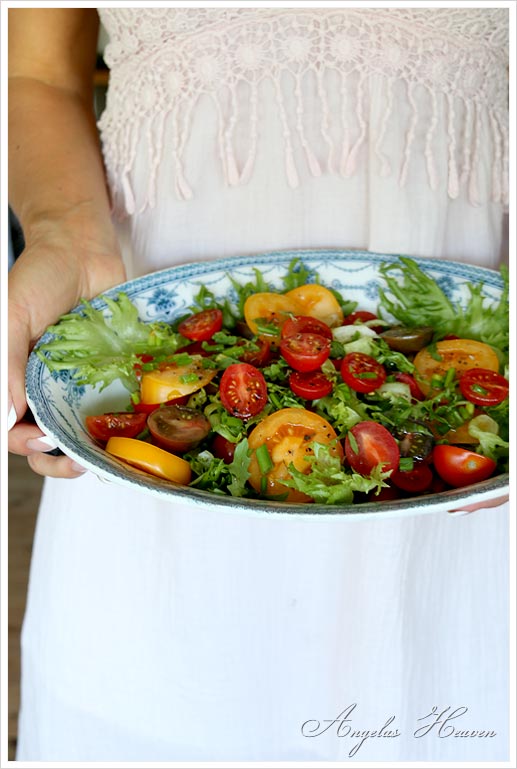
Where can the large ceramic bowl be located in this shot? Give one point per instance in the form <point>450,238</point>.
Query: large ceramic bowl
<point>60,405</point>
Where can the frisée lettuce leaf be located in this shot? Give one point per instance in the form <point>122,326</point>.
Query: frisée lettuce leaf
<point>413,298</point>
<point>99,349</point>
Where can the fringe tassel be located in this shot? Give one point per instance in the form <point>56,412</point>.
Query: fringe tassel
<point>428,152</point>
<point>496,159</point>
<point>453,187</point>
<point>350,164</point>
<point>385,168</point>
<point>473,191</point>
<point>410,135</point>
<point>325,121</point>
<point>345,147</point>
<point>250,162</point>
<point>290,168</point>
<point>312,160</point>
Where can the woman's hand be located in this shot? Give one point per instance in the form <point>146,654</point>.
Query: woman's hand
<point>61,264</point>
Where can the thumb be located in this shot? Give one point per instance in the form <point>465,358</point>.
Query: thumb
<point>19,341</point>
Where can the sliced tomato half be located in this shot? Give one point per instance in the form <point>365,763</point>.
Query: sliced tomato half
<point>304,324</point>
<point>484,387</point>
<point>368,444</point>
<point>243,390</point>
<point>124,424</point>
<point>202,325</point>
<point>305,351</point>
<point>362,373</point>
<point>310,384</point>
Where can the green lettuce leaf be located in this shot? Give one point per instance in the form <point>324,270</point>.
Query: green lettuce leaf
<point>413,298</point>
<point>328,482</point>
<point>98,350</point>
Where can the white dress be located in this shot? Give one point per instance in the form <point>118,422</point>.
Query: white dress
<point>159,632</point>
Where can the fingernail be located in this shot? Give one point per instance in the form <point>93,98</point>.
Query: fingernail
<point>12,418</point>
<point>41,444</point>
<point>78,468</point>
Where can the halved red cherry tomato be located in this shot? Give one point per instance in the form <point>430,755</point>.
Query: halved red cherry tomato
<point>223,449</point>
<point>310,384</point>
<point>305,352</point>
<point>484,387</point>
<point>178,428</point>
<point>259,357</point>
<point>414,389</point>
<point>362,372</point>
<point>123,424</point>
<point>461,467</point>
<point>369,444</point>
<point>304,324</point>
<point>243,390</point>
<point>201,326</point>
<point>417,480</point>
<point>360,315</point>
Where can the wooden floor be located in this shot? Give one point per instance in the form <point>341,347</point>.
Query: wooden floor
<point>24,495</point>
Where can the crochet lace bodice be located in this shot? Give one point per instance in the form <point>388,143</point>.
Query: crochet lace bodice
<point>439,70</point>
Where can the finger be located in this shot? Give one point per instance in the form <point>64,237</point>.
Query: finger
<point>21,437</point>
<point>54,467</point>
<point>466,509</point>
<point>18,344</point>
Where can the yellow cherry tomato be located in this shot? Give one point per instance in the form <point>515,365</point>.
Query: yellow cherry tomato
<point>318,302</point>
<point>287,434</point>
<point>151,459</point>
<point>270,309</point>
<point>173,381</point>
<point>460,354</point>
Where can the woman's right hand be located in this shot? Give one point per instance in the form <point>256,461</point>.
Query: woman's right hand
<point>61,264</point>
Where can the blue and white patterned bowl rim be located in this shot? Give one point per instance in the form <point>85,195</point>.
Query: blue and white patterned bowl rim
<point>450,276</point>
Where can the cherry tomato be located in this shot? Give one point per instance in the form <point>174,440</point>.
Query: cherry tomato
<point>362,372</point>
<point>171,381</point>
<point>125,424</point>
<point>201,326</point>
<point>304,324</point>
<point>461,467</point>
<point>151,459</point>
<point>243,390</point>
<point>288,435</point>
<point>414,389</point>
<point>417,480</point>
<point>270,309</point>
<point>148,408</point>
<point>318,302</point>
<point>305,352</point>
<point>259,357</point>
<point>484,387</point>
<point>362,316</point>
<point>371,444</point>
<point>310,384</point>
<point>460,354</point>
<point>223,449</point>
<point>178,428</point>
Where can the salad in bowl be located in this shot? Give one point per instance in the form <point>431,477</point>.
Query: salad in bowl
<point>309,382</point>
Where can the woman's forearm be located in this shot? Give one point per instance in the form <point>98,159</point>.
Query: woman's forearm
<point>55,164</point>
<point>57,185</point>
